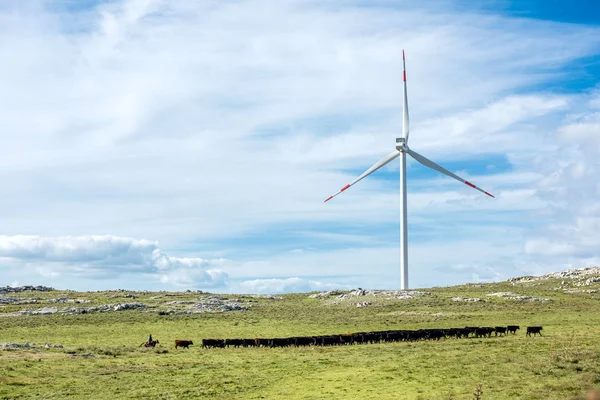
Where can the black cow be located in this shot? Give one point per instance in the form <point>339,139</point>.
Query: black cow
<point>183,343</point>
<point>358,337</point>
<point>303,341</point>
<point>485,331</point>
<point>328,340</point>
<point>372,337</point>
<point>234,342</point>
<point>213,343</point>
<point>347,339</point>
<point>279,342</point>
<point>501,330</point>
<point>533,330</point>
<point>262,342</point>
<point>462,332</point>
<point>513,329</point>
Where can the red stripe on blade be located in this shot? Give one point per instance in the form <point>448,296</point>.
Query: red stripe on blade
<point>404,76</point>
<point>329,198</point>
<point>403,55</point>
<point>345,187</point>
<point>491,195</point>
<point>470,184</point>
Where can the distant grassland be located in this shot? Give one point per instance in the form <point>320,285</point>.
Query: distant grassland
<point>562,364</point>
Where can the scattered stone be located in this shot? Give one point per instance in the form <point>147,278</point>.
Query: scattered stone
<point>467,299</point>
<point>589,281</point>
<point>567,290</point>
<point>363,304</point>
<point>206,304</point>
<point>326,294</point>
<point>395,294</point>
<point>218,304</point>
<point>18,301</point>
<point>18,289</point>
<point>127,296</point>
<point>43,311</point>
<point>10,346</point>
<point>103,308</point>
<point>513,296</point>
<point>573,274</point>
<point>65,300</point>
<point>503,294</point>
<point>266,296</point>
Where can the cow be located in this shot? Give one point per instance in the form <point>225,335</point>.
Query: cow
<point>328,340</point>
<point>346,339</point>
<point>303,341</point>
<point>485,331</point>
<point>462,332</point>
<point>234,342</point>
<point>280,342</point>
<point>213,343</point>
<point>533,330</point>
<point>501,330</point>
<point>152,343</point>
<point>264,342</point>
<point>513,329</point>
<point>183,343</point>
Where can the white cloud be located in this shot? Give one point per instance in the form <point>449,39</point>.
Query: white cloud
<point>107,256</point>
<point>570,188</point>
<point>289,285</point>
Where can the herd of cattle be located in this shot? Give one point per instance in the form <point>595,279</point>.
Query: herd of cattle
<point>365,337</point>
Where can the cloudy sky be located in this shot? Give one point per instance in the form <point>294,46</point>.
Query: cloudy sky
<point>168,145</point>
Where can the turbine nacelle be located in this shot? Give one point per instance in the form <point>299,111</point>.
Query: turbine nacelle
<point>401,145</point>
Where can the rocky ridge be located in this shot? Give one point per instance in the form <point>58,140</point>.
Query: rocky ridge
<point>578,277</point>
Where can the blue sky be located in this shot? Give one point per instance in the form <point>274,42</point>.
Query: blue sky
<point>150,144</point>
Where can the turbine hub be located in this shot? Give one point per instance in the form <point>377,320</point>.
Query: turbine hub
<point>401,145</point>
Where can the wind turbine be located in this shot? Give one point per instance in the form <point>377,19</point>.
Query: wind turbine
<point>401,151</point>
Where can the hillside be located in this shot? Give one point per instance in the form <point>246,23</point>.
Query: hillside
<point>56,343</point>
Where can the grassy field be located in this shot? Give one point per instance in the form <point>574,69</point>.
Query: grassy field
<point>101,357</point>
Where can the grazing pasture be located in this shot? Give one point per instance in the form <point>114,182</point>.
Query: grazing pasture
<point>101,355</point>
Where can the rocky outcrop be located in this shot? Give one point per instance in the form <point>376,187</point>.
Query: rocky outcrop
<point>72,310</point>
<point>207,304</point>
<point>218,304</point>
<point>16,300</point>
<point>581,276</point>
<point>65,300</point>
<point>12,346</point>
<point>321,295</point>
<point>467,299</point>
<point>19,289</point>
<point>513,296</point>
<point>394,294</point>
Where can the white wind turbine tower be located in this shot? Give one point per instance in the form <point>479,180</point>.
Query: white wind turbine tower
<point>401,150</point>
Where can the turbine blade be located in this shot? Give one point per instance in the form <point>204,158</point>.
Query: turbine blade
<point>374,168</point>
<point>405,122</point>
<point>428,163</point>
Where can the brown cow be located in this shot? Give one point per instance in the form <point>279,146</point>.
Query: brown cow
<point>183,343</point>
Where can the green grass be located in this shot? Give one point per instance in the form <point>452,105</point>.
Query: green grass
<point>562,364</point>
